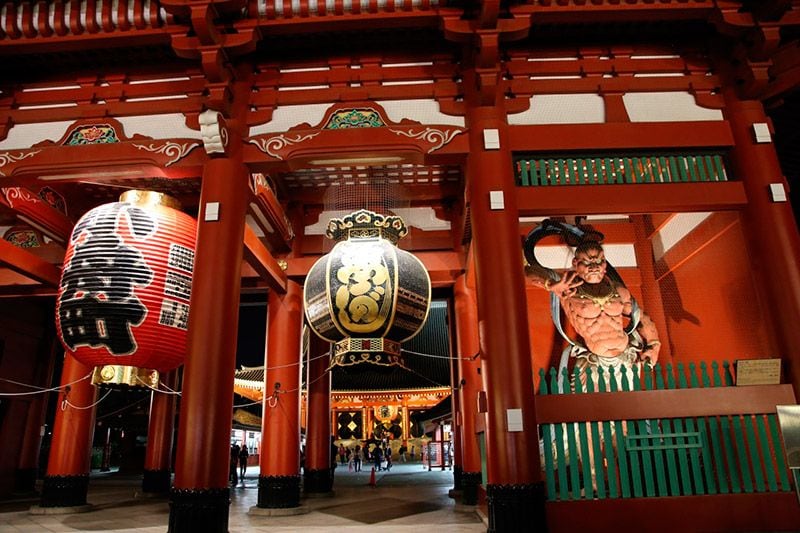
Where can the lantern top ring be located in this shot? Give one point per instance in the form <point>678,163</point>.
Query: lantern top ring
<point>144,198</point>
<point>366,224</point>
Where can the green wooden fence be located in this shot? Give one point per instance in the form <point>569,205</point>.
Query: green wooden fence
<point>658,457</point>
<point>620,170</point>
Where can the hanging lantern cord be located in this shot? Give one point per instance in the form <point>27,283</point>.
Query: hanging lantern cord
<point>272,400</point>
<point>66,401</point>
<point>39,390</point>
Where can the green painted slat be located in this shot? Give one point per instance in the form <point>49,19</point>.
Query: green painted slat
<point>613,491</point>
<point>683,460</point>
<point>637,170</point>
<point>719,167</point>
<point>574,171</point>
<point>622,457</point>
<point>715,374</point>
<point>683,165</point>
<point>524,180</point>
<point>563,176</point>
<point>708,464</point>
<point>772,421</point>
<point>674,175</point>
<point>730,457</point>
<point>533,173</point>
<point>654,171</point>
<point>599,173</point>
<point>701,168</point>
<point>672,465</point>
<point>581,172</point>
<point>706,461</point>
<point>692,163</point>
<point>652,428</point>
<point>633,455</point>
<point>633,459</point>
<point>741,451</point>
<point>647,460</point>
<point>549,471</point>
<point>586,167</point>
<point>609,171</point>
<point>547,439</point>
<point>709,164</point>
<point>766,454</point>
<point>583,441</point>
<point>598,461</point>
<point>574,467</point>
<point>565,385</point>
<point>755,460</point>
<point>694,454</point>
<point>719,463</point>
<point>663,170</point>
<point>628,169</point>
<point>553,381</point>
<point>659,457</point>
<point>728,374</point>
<point>550,166</point>
<point>544,172</point>
<point>666,427</point>
<point>561,468</point>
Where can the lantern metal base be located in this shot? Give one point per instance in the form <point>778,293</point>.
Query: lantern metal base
<point>124,376</point>
<point>374,351</point>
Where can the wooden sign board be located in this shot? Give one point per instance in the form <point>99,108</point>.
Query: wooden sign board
<point>758,372</point>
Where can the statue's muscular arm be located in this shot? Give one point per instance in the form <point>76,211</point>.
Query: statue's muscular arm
<point>646,329</point>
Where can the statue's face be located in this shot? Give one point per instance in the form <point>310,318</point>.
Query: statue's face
<point>590,266</point>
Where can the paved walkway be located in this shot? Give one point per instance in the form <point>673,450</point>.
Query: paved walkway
<point>409,498</point>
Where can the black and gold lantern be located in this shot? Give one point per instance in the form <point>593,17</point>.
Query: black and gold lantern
<point>367,296</point>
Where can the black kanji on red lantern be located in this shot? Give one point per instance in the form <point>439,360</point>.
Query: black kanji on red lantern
<point>98,305</point>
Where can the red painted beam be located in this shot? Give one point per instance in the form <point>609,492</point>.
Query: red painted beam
<point>623,136</point>
<point>31,210</point>
<point>258,257</point>
<point>673,403</point>
<point>443,267</point>
<point>641,198</point>
<point>774,511</point>
<point>29,265</point>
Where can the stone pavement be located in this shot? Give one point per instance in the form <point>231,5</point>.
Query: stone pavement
<point>409,498</point>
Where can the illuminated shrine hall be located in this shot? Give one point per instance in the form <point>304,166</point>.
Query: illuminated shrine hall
<point>588,204</point>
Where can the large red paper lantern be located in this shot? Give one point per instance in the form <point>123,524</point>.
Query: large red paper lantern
<point>124,293</point>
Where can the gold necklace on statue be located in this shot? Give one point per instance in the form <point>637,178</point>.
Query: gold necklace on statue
<point>600,293</point>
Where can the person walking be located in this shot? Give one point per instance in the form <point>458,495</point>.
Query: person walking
<point>357,458</point>
<point>243,456</point>
<point>234,462</point>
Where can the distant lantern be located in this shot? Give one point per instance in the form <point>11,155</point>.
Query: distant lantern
<point>123,301</point>
<point>367,295</point>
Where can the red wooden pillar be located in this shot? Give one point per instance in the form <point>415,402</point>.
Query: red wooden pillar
<point>455,398</point>
<point>769,225</point>
<point>468,349</point>
<point>28,462</point>
<point>159,437</point>
<point>279,479</point>
<point>651,303</point>
<point>67,480</point>
<point>200,498</point>
<point>515,492</point>
<point>317,473</point>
